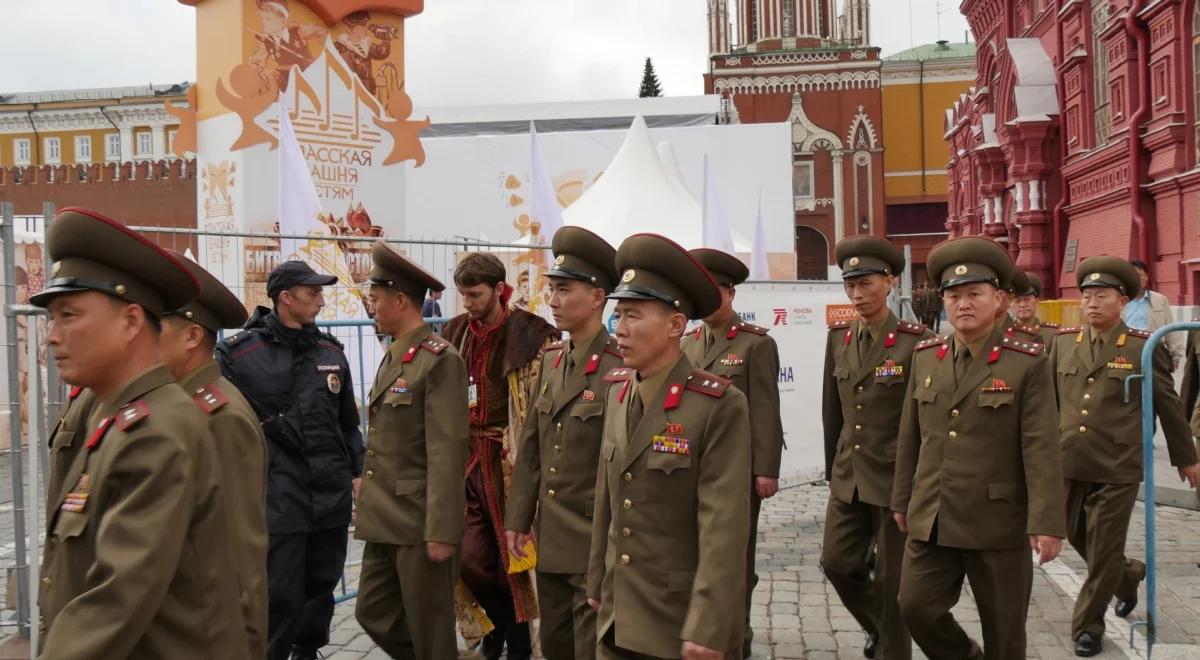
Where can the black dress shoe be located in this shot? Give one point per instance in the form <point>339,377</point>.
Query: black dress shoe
<point>1124,607</point>
<point>1087,645</point>
<point>869,647</point>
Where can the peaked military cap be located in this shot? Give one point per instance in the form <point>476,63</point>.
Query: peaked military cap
<point>967,260</point>
<point>95,253</point>
<point>1035,287</point>
<point>863,255</point>
<point>1018,284</point>
<point>1108,271</point>
<point>216,308</point>
<point>395,271</point>
<point>725,268</point>
<point>654,267</point>
<point>582,255</point>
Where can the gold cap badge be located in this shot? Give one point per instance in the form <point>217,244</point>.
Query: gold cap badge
<point>628,276</point>
<point>961,269</point>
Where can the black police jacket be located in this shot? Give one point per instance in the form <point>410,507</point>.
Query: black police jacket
<point>298,382</point>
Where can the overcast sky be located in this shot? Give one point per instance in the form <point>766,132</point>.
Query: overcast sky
<point>460,52</point>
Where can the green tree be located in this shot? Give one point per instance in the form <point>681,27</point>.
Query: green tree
<point>650,86</point>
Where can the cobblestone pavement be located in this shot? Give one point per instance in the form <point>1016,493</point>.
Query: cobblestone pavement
<point>798,615</point>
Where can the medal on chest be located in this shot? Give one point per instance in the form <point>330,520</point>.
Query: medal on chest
<point>732,360</point>
<point>1122,363</point>
<point>672,441</point>
<point>76,500</point>
<point>399,387</point>
<point>888,369</point>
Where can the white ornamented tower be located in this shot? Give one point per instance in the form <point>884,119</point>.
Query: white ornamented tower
<point>808,63</point>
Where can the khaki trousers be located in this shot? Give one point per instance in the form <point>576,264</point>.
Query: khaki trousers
<point>1097,522</point>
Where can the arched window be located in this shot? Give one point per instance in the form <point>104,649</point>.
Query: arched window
<point>1103,110</point>
<point>1196,77</point>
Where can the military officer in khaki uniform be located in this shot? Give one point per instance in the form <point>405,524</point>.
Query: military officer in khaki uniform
<point>743,353</point>
<point>978,471</point>
<point>1025,309</point>
<point>137,564</point>
<point>411,504</point>
<point>555,472</point>
<point>1101,437</point>
<point>187,340</point>
<point>867,364</point>
<point>668,554</point>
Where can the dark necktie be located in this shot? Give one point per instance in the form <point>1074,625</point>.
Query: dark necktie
<point>962,364</point>
<point>635,415</point>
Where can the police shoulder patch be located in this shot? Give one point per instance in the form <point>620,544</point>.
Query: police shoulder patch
<point>839,325</point>
<point>929,343</point>
<point>1028,348</point>
<point>236,339</point>
<point>620,374</point>
<point>1067,331</point>
<point>911,328</point>
<point>132,415</point>
<point>1139,333</point>
<point>434,344</point>
<point>705,383</point>
<point>209,399</point>
<point>750,327</point>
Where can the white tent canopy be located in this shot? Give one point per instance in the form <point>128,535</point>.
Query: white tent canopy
<point>642,191</point>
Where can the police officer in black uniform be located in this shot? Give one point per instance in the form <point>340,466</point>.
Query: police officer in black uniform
<point>297,380</point>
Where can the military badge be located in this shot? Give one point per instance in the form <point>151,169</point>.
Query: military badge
<point>732,360</point>
<point>399,387</point>
<point>334,383</point>
<point>672,444</point>
<point>998,385</point>
<point>589,395</point>
<point>1121,362</point>
<point>928,381</point>
<point>1121,340</point>
<point>674,429</point>
<point>888,369</point>
<point>76,500</point>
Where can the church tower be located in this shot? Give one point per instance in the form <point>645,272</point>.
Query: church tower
<point>763,25</point>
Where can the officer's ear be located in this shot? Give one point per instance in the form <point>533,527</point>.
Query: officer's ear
<point>676,324</point>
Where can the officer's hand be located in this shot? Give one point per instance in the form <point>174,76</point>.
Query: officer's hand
<point>1046,547</point>
<point>438,552</point>
<point>766,486</point>
<point>357,487</point>
<point>1190,474</point>
<point>594,604</point>
<point>516,543</point>
<point>901,521</point>
<point>696,652</point>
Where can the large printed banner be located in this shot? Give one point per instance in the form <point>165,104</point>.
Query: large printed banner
<point>797,316</point>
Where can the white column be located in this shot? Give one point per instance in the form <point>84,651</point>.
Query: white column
<point>839,195</point>
<point>158,142</point>
<point>126,144</point>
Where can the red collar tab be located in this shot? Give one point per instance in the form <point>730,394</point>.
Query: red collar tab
<point>994,355</point>
<point>732,332</point>
<point>75,392</point>
<point>94,441</point>
<point>941,354</point>
<point>593,364</point>
<point>408,357</point>
<point>558,358</point>
<point>890,341</point>
<point>674,394</point>
<point>849,335</point>
<point>623,392</point>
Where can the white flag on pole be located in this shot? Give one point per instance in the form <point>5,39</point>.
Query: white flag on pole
<point>759,268</point>
<point>300,215</point>
<point>716,228</point>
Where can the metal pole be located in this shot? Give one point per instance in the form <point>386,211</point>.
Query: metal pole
<point>54,391</point>
<point>8,236</point>
<point>33,369</point>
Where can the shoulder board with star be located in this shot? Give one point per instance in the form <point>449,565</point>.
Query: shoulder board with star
<point>132,415</point>
<point>929,343</point>
<point>1025,329</point>
<point>1068,331</point>
<point>434,344</point>
<point>1028,348</point>
<point>209,399</point>
<point>619,375</point>
<point>911,328</point>
<point>1050,324</point>
<point>557,346</point>
<point>1138,333</point>
<point>750,327</point>
<point>705,383</point>
<point>840,325</point>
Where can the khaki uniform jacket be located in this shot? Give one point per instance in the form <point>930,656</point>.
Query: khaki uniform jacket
<point>668,551</point>
<point>412,485</point>
<point>555,471</point>
<point>138,560</point>
<point>744,354</point>
<point>65,440</point>
<point>1101,434</point>
<point>242,457</point>
<point>980,458</point>
<point>861,402</point>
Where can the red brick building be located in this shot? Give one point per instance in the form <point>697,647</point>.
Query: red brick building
<point>1079,137</point>
<point>797,61</point>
